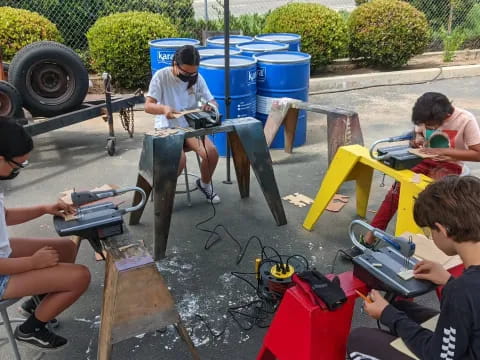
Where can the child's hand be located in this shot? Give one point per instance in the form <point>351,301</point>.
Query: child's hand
<point>418,142</point>
<point>169,112</point>
<point>60,208</point>
<point>376,306</point>
<point>431,271</point>
<point>45,257</point>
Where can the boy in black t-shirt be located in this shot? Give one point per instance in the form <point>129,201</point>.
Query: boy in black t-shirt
<point>449,212</point>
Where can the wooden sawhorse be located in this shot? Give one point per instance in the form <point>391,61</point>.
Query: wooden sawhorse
<point>136,299</point>
<point>343,126</point>
<point>353,162</point>
<point>159,165</point>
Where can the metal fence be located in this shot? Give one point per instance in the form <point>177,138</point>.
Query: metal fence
<point>455,20</point>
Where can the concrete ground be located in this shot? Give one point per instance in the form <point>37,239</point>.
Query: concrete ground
<point>200,280</point>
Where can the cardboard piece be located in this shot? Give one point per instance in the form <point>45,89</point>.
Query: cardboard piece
<point>298,200</point>
<point>399,345</point>
<point>337,203</point>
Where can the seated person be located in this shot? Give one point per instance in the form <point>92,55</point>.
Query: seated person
<point>176,88</point>
<point>34,266</point>
<point>449,211</point>
<point>450,133</point>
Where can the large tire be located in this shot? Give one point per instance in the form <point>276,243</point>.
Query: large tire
<point>10,101</point>
<point>50,77</point>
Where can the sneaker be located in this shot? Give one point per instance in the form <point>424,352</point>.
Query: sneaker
<point>28,308</point>
<point>211,196</point>
<point>42,339</point>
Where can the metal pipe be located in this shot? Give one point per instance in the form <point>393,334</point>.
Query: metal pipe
<point>226,21</point>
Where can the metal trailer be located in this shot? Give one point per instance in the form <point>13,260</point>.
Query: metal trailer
<point>91,109</point>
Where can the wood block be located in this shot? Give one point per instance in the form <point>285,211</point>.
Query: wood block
<point>406,274</point>
<point>299,200</point>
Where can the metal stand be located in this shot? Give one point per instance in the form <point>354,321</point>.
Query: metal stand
<point>159,165</point>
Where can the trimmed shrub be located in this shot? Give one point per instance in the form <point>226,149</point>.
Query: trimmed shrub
<point>19,28</point>
<point>74,17</point>
<point>119,45</point>
<point>387,33</point>
<point>180,12</point>
<point>323,31</point>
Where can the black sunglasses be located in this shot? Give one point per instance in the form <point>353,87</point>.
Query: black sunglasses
<point>186,73</point>
<point>19,165</point>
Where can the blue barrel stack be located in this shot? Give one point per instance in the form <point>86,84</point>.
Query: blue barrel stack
<point>243,88</point>
<point>271,66</point>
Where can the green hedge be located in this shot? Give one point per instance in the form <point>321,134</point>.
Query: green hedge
<point>119,45</point>
<point>74,17</point>
<point>323,31</point>
<point>19,28</point>
<point>387,33</point>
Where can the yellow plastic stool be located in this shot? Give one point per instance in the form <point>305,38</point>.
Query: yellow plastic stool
<point>353,162</point>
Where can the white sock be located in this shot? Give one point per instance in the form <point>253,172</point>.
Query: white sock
<point>207,187</point>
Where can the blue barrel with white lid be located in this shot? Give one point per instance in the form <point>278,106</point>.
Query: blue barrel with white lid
<point>162,51</point>
<point>293,40</point>
<point>283,74</point>
<point>219,41</point>
<point>257,47</point>
<point>243,88</point>
<point>207,52</point>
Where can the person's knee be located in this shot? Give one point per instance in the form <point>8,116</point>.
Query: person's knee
<point>81,278</point>
<point>70,249</point>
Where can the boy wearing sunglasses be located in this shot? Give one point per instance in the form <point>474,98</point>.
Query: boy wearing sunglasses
<point>35,266</point>
<point>449,211</point>
<point>179,88</point>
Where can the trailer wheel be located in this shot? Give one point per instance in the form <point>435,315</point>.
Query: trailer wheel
<point>110,147</point>
<point>50,77</point>
<point>10,101</point>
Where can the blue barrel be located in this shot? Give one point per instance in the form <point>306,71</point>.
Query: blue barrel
<point>219,41</point>
<point>162,51</point>
<point>207,52</point>
<point>293,40</point>
<point>257,47</point>
<point>243,88</point>
<point>283,74</point>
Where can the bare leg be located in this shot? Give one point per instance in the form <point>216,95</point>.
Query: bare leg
<point>64,283</point>
<point>207,153</point>
<point>181,165</point>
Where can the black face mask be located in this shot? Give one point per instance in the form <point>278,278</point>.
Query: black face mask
<point>191,80</point>
<point>12,175</point>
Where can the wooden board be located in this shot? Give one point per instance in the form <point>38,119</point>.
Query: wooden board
<point>419,153</point>
<point>178,114</point>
